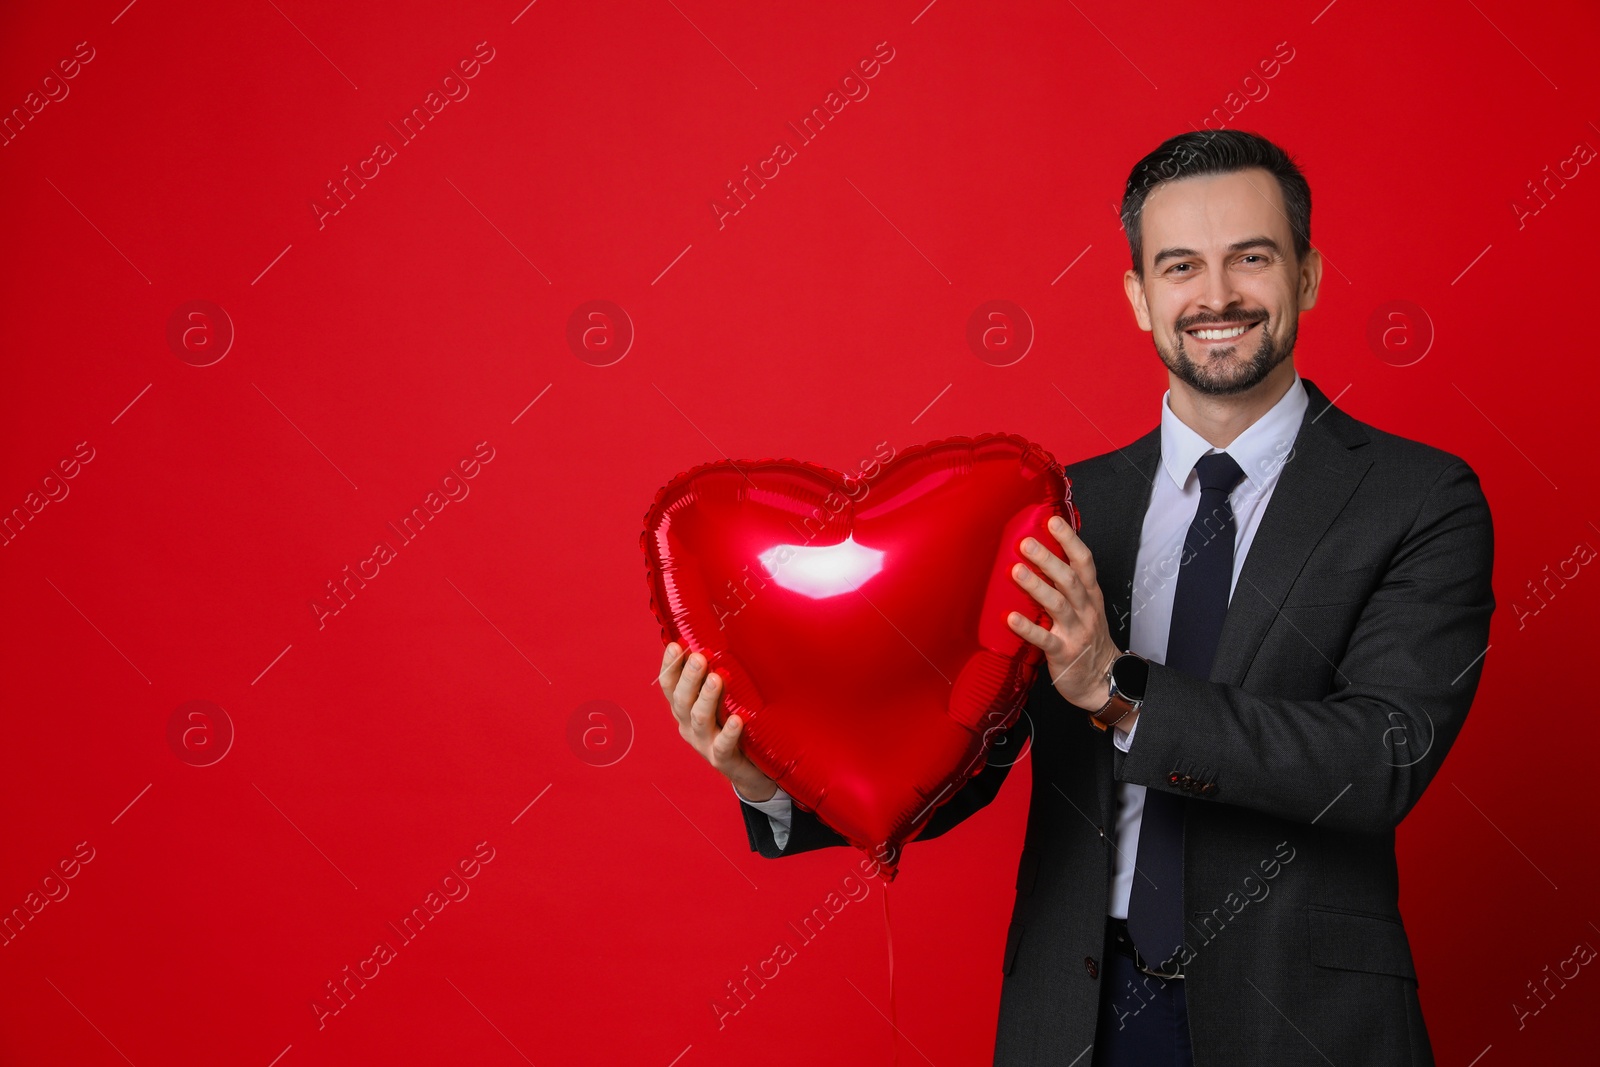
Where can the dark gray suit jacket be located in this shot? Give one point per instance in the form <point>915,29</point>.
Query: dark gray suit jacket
<point>1351,650</point>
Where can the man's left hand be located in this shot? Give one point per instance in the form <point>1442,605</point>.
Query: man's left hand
<point>1077,647</point>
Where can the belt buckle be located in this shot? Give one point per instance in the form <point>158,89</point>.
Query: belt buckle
<point>1123,938</point>
<point>1139,964</point>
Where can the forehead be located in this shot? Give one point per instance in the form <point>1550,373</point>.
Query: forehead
<point>1210,212</point>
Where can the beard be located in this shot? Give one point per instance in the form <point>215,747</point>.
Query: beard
<point>1226,372</point>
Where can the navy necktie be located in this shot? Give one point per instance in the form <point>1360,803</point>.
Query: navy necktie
<point>1199,604</point>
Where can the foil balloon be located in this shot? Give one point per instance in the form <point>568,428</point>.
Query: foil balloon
<point>858,620</point>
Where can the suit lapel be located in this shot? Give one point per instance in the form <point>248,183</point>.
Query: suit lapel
<point>1113,521</point>
<point>1316,483</point>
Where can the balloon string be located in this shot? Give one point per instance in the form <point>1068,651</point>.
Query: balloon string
<point>888,933</point>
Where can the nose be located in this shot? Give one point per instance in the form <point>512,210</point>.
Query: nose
<point>1219,292</point>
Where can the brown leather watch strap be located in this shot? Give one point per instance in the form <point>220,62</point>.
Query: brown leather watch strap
<point>1116,707</point>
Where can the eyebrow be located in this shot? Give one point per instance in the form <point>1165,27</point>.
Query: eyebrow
<point>1237,246</point>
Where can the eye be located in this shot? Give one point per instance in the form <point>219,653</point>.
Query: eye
<point>1177,267</point>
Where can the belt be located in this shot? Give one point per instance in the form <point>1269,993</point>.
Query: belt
<point>1122,942</point>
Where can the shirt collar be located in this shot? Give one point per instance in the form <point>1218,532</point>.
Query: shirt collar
<point>1259,450</point>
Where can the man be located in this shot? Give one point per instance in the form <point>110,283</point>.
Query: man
<point>1261,649</point>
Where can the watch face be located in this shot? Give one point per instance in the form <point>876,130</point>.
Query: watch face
<point>1130,673</point>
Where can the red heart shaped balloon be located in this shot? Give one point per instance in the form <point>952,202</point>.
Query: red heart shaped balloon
<point>859,621</point>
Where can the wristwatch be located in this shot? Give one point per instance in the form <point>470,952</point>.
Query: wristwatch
<point>1126,679</point>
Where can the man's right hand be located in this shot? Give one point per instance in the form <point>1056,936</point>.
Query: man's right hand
<point>695,696</point>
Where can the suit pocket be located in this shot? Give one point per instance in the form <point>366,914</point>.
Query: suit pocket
<point>1013,939</point>
<point>1332,587</point>
<point>1355,941</point>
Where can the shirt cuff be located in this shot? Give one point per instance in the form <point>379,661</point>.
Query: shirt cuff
<point>779,810</point>
<point>1122,740</point>
<point>776,804</point>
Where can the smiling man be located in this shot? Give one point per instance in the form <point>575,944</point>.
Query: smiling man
<point>1261,648</point>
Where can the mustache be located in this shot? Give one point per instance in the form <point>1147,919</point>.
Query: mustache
<point>1236,316</point>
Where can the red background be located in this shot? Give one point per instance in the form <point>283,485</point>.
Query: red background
<point>373,353</point>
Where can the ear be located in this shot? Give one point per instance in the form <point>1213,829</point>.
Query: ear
<point>1133,286</point>
<point>1310,279</point>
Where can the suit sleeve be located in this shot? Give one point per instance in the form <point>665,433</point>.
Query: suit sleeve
<point>1358,759</point>
<point>807,832</point>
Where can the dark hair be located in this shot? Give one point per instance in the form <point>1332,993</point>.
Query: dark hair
<point>1215,152</point>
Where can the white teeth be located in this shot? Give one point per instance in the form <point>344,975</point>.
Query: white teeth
<point>1220,335</point>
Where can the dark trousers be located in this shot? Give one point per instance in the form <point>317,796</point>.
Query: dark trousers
<point>1144,1020</point>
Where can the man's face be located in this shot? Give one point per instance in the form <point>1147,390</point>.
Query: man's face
<point>1222,292</point>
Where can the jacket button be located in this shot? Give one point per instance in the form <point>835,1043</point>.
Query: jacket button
<point>1090,966</point>
<point>1101,830</point>
<point>1186,781</point>
<point>1173,778</point>
<point>1208,789</point>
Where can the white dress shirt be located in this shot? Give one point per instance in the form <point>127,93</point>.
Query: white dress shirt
<point>1261,451</point>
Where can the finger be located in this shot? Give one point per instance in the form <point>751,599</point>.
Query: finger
<point>1078,553</point>
<point>1044,594</point>
<point>1032,632</point>
<point>688,687</point>
<point>671,668</point>
<point>1067,580</point>
<point>725,746</point>
<point>703,715</point>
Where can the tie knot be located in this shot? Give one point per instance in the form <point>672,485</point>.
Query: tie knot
<point>1218,471</point>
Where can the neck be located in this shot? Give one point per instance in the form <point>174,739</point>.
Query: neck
<point>1221,419</point>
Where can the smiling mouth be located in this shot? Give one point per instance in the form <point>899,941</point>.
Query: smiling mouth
<point>1221,334</point>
